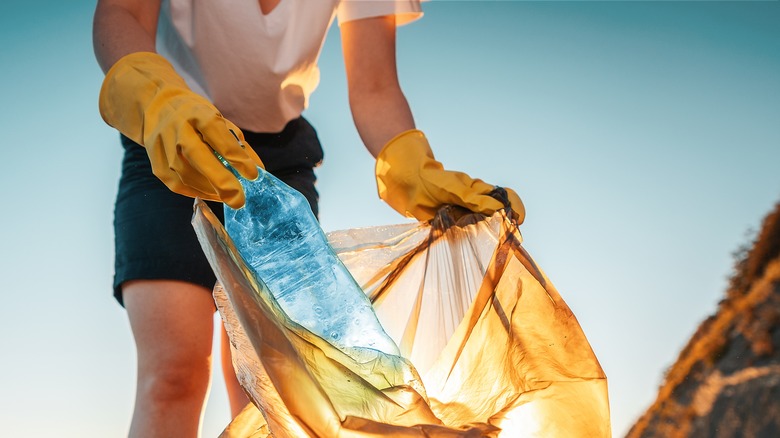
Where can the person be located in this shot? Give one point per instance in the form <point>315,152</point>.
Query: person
<point>188,79</point>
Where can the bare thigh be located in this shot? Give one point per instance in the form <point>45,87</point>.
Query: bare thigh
<point>169,318</point>
<point>173,326</point>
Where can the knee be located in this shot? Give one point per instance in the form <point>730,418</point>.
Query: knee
<point>173,383</point>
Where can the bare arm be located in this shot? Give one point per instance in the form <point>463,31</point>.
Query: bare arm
<point>378,105</point>
<point>121,27</point>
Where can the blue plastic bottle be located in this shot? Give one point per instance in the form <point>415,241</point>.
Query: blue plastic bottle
<point>282,243</point>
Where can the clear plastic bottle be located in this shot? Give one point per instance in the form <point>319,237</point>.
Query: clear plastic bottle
<point>282,243</point>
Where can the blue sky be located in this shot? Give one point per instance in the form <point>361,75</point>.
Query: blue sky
<point>643,138</point>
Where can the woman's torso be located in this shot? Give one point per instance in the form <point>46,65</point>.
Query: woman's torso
<point>258,69</point>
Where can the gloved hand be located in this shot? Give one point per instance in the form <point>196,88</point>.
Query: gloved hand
<point>411,181</point>
<point>144,98</point>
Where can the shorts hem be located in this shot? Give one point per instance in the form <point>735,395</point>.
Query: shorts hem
<point>160,270</point>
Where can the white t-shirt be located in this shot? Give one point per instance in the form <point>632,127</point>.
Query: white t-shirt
<point>259,70</point>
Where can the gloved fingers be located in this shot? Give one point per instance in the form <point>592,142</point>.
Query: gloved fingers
<point>173,169</point>
<point>202,163</point>
<point>480,203</point>
<point>215,132</point>
<point>242,142</point>
<point>193,184</point>
<point>447,187</point>
<point>173,179</point>
<point>191,177</point>
<point>475,197</point>
<point>517,205</point>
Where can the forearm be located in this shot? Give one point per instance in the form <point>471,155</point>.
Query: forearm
<point>379,108</point>
<point>380,115</point>
<point>121,27</point>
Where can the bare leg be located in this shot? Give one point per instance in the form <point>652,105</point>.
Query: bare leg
<point>236,395</point>
<point>173,325</point>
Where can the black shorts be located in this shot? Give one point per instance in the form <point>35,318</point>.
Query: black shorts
<point>154,238</point>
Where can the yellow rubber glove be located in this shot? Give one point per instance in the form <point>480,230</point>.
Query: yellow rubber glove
<point>145,99</point>
<point>411,181</point>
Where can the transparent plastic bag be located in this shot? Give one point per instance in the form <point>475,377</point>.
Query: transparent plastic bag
<point>495,349</point>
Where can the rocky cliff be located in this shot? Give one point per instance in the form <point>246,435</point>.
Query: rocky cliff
<point>726,381</point>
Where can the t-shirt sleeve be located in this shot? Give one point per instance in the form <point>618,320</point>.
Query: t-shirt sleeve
<point>405,11</point>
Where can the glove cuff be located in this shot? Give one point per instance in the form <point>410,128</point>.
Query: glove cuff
<point>130,85</point>
<point>397,169</point>
<point>412,142</point>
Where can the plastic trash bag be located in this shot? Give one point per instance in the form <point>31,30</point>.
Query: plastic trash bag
<point>496,351</point>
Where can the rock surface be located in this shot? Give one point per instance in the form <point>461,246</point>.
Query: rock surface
<point>726,381</point>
